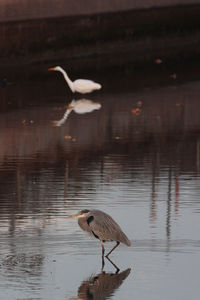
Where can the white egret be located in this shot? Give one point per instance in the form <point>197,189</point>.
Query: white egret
<point>81,106</point>
<point>82,86</point>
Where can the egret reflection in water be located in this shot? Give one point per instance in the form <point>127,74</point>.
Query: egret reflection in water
<point>101,286</point>
<point>81,106</point>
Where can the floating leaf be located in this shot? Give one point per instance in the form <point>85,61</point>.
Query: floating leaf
<point>136,111</point>
<point>179,104</point>
<point>68,137</point>
<point>174,76</point>
<point>139,103</point>
<point>158,61</point>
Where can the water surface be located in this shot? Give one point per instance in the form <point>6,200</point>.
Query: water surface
<point>136,157</point>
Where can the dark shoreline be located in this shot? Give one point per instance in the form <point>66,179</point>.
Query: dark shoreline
<point>171,33</point>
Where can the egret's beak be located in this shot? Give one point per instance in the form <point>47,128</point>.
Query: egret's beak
<point>69,106</point>
<point>51,69</point>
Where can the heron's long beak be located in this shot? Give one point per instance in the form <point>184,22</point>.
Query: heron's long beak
<point>51,69</point>
<point>72,217</point>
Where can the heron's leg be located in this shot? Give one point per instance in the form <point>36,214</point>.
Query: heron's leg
<point>113,249</point>
<point>103,249</point>
<point>114,265</point>
<point>103,264</point>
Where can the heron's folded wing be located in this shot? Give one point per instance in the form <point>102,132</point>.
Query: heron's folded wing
<point>105,228</point>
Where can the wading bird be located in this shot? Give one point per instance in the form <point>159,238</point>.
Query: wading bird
<point>102,226</point>
<point>82,86</point>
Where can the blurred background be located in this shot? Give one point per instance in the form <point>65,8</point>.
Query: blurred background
<point>42,30</point>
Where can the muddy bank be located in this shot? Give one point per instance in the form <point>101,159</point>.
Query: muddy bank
<point>170,32</point>
<point>18,10</point>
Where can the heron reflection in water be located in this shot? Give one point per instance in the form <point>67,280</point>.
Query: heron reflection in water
<point>102,226</point>
<point>101,286</point>
<point>81,106</point>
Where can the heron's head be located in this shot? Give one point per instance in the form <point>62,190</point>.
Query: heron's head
<point>79,214</point>
<point>57,68</point>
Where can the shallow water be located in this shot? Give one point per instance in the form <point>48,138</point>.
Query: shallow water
<point>137,157</point>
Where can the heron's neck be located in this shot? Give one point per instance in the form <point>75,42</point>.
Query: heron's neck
<point>70,83</point>
<point>82,221</point>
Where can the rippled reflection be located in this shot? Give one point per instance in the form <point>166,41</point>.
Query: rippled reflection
<point>23,263</point>
<point>81,106</point>
<point>101,286</point>
<point>137,158</point>
<point>22,272</point>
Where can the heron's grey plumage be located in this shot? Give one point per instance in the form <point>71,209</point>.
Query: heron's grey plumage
<point>102,225</point>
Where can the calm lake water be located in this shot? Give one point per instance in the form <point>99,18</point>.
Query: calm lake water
<point>132,151</point>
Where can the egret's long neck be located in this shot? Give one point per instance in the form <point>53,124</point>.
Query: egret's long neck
<point>70,83</point>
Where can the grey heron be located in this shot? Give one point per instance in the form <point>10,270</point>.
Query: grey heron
<point>82,86</point>
<point>101,226</point>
